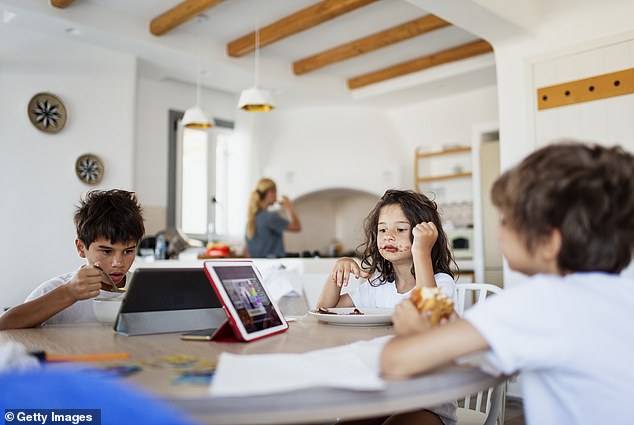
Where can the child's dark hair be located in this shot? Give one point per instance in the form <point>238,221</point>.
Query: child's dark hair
<point>417,208</point>
<point>113,214</point>
<point>584,191</point>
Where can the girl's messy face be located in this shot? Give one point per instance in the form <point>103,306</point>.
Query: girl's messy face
<point>393,234</point>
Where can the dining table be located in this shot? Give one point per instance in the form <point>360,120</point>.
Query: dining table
<point>310,405</point>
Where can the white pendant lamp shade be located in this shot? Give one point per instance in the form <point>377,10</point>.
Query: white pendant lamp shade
<point>255,99</point>
<point>195,117</point>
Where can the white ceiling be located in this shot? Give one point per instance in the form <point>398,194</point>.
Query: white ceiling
<point>123,25</point>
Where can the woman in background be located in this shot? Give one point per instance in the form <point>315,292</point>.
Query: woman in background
<point>265,227</point>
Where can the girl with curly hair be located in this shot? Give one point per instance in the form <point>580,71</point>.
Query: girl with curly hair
<point>405,247</point>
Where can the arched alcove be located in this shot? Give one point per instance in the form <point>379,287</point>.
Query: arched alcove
<point>328,214</point>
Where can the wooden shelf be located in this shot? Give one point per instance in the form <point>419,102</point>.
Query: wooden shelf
<point>419,176</point>
<point>443,152</point>
<point>443,177</point>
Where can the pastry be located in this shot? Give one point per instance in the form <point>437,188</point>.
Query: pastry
<point>433,300</point>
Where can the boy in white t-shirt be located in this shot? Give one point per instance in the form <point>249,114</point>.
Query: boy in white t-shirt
<point>109,225</point>
<point>567,220</point>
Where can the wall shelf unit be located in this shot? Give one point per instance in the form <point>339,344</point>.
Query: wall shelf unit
<point>459,149</point>
<point>443,177</point>
<point>421,177</point>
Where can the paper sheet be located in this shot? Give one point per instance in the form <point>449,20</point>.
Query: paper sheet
<point>353,366</point>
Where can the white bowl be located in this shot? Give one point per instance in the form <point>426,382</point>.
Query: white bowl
<point>106,309</point>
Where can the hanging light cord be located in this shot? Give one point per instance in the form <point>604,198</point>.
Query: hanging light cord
<point>199,70</point>
<point>257,54</point>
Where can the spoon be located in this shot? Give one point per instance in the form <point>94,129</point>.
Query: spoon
<point>109,280</point>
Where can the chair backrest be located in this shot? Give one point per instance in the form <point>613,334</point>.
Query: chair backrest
<point>478,291</point>
<point>490,403</point>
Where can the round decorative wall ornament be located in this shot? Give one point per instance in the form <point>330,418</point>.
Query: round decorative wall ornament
<point>47,112</point>
<point>89,169</point>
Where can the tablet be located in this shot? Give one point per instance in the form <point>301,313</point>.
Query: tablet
<point>251,312</point>
<point>173,299</point>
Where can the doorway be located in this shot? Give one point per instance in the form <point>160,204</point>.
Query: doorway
<point>489,172</point>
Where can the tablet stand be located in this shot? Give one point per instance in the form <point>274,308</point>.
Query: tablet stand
<point>225,333</point>
<point>153,322</point>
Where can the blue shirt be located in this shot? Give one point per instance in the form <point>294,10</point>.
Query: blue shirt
<point>268,240</point>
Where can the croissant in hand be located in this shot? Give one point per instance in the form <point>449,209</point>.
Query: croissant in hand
<point>433,300</point>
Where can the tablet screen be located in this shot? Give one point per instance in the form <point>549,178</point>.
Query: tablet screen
<point>250,300</point>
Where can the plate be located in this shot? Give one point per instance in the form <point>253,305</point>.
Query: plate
<point>370,316</point>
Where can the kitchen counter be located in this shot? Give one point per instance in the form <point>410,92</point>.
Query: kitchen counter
<point>311,272</point>
<point>298,264</point>
<point>301,265</point>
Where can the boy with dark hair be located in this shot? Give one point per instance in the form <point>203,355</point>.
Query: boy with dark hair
<point>567,220</point>
<point>109,226</point>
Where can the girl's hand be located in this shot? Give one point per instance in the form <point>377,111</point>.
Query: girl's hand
<point>407,320</point>
<point>342,270</point>
<point>425,236</point>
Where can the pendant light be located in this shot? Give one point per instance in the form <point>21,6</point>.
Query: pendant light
<point>256,99</point>
<point>195,117</point>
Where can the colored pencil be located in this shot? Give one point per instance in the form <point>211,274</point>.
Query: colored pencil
<point>86,357</point>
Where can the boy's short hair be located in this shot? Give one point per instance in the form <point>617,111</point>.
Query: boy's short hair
<point>585,191</point>
<point>114,214</point>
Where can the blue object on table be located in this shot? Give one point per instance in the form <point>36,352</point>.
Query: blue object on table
<point>65,387</point>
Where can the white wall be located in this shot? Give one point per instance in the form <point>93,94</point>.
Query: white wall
<point>445,121</point>
<point>311,149</point>
<point>38,186</point>
<point>328,215</point>
<point>608,121</point>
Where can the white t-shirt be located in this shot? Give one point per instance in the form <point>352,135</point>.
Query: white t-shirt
<point>385,294</point>
<point>80,312</point>
<point>572,338</point>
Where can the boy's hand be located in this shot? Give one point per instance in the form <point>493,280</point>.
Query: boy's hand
<point>85,284</point>
<point>425,235</point>
<point>407,320</point>
<point>342,270</point>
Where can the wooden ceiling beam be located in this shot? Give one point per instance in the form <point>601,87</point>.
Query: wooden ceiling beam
<point>463,51</point>
<point>179,14</point>
<point>292,24</point>
<point>370,43</point>
<point>61,4</point>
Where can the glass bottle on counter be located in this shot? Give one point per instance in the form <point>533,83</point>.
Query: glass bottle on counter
<point>160,250</point>
<point>334,249</point>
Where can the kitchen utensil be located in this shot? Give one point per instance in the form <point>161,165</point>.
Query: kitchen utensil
<point>109,280</point>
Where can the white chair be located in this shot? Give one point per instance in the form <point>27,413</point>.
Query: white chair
<point>485,407</point>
